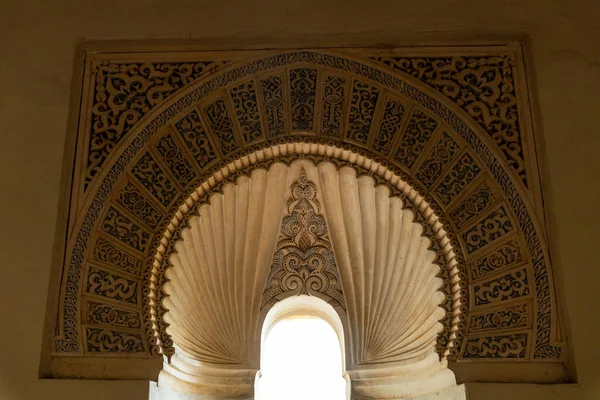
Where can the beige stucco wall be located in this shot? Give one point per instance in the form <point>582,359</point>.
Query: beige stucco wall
<point>37,44</point>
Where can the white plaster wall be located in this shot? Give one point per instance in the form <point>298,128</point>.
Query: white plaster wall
<point>37,42</point>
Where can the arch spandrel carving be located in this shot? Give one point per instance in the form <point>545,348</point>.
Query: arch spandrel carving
<point>401,112</point>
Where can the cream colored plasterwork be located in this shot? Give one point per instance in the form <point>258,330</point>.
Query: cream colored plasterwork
<point>394,211</point>
<point>389,302</point>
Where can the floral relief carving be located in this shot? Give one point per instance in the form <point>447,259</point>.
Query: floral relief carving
<point>510,318</point>
<point>135,202</point>
<point>505,256</point>
<point>245,103</point>
<point>418,131</point>
<point>303,262</point>
<point>508,286</point>
<point>440,156</point>
<point>106,284</point>
<point>334,96</point>
<point>110,341</point>
<point>106,252</point>
<point>463,172</point>
<point>98,313</point>
<point>303,91</point>
<point>127,231</point>
<point>222,126</point>
<point>124,93</point>
<point>362,107</point>
<point>492,228</point>
<point>505,346</point>
<point>194,135</point>
<point>483,87</point>
<point>151,175</point>
<point>543,348</point>
<point>178,164</point>
<point>272,96</point>
<point>479,201</point>
<point>390,124</point>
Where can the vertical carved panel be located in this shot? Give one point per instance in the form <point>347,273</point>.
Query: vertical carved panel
<point>479,201</point>
<point>106,252</point>
<point>303,90</point>
<point>390,124</point>
<point>505,287</point>
<point>221,125</point>
<point>417,133</point>
<point>151,175</point>
<point>111,341</point>
<point>440,156</point>
<point>112,286</point>
<point>127,231</point>
<point>303,262</point>
<point>334,96</point>
<point>492,228</point>
<point>463,172</point>
<point>135,202</point>
<point>362,108</point>
<point>503,346</point>
<point>172,155</point>
<point>193,134</point>
<point>506,255</point>
<point>272,97</point>
<point>245,104</point>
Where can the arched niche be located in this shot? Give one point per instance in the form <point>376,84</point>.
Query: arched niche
<point>222,269</point>
<point>451,124</point>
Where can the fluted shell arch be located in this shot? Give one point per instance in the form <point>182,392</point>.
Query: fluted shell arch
<point>451,126</point>
<point>219,269</point>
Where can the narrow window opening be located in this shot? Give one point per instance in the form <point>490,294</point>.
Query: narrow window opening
<point>301,358</point>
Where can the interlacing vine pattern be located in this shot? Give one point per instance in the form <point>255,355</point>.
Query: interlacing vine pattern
<point>483,87</point>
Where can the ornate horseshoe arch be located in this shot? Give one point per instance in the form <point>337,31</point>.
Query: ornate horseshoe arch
<point>446,130</point>
<point>422,212</point>
<point>217,284</point>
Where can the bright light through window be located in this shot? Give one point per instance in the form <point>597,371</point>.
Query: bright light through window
<point>301,360</point>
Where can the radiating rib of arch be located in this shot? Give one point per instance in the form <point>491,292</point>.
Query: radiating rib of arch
<point>222,262</point>
<point>387,273</point>
<point>218,269</point>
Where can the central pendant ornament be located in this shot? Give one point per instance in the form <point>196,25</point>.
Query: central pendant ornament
<point>303,262</point>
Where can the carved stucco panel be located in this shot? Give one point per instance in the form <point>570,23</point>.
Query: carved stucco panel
<point>407,124</point>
